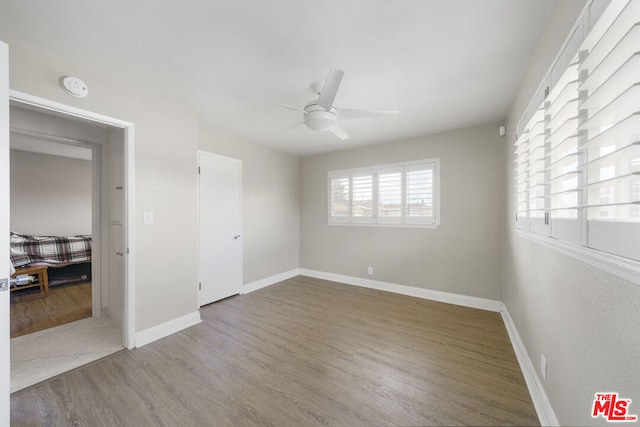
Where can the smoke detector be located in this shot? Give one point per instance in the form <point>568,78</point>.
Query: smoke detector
<point>74,86</point>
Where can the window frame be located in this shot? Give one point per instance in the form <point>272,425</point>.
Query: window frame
<point>403,220</point>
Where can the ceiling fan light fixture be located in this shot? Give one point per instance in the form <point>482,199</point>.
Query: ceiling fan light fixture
<point>321,115</point>
<point>317,118</point>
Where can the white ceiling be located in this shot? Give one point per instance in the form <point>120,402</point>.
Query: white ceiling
<point>444,64</point>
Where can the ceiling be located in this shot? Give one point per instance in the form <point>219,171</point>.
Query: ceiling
<point>443,64</point>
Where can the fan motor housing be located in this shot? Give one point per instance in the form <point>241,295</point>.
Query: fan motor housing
<point>317,118</point>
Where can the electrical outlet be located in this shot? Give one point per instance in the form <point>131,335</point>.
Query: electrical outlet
<point>148,218</point>
<point>370,271</point>
<point>543,366</point>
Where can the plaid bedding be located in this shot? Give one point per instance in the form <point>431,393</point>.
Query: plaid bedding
<point>49,250</point>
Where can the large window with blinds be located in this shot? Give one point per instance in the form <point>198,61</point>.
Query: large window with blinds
<point>577,153</point>
<point>401,194</point>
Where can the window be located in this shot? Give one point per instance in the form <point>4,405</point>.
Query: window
<point>362,197</point>
<point>340,198</point>
<point>403,194</point>
<point>578,181</point>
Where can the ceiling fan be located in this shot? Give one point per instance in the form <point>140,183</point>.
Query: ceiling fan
<point>321,115</point>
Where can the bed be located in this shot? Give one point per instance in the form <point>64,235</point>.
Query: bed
<point>68,258</point>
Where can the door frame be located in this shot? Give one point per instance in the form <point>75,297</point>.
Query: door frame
<point>5,264</point>
<point>129,202</point>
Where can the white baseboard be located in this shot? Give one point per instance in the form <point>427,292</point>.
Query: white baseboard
<point>268,281</point>
<point>540,400</point>
<point>167,328</point>
<point>457,299</point>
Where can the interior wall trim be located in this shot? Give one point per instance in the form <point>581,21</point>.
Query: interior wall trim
<point>541,402</point>
<point>446,297</point>
<point>268,281</point>
<point>167,328</point>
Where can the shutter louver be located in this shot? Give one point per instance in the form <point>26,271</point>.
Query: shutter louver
<point>522,180</point>
<point>390,196</point>
<point>536,167</point>
<point>339,199</point>
<point>419,195</point>
<point>362,199</point>
<point>400,194</point>
<point>610,133</point>
<point>563,177</point>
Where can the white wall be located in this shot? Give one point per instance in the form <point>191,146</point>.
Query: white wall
<point>50,195</point>
<point>51,191</point>
<point>462,256</point>
<point>584,320</point>
<point>166,139</point>
<point>270,203</point>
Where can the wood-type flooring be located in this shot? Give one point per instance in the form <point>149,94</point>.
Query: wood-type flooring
<point>32,311</point>
<point>303,352</point>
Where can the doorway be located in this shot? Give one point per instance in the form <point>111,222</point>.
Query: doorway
<point>219,227</point>
<point>54,163</point>
<point>109,321</point>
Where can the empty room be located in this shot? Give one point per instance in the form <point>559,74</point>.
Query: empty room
<point>338,212</point>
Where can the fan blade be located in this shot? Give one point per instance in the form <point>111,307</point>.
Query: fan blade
<point>339,132</point>
<point>330,89</point>
<point>291,127</point>
<point>264,101</point>
<point>350,113</point>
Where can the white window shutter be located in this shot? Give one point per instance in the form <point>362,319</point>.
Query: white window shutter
<point>536,177</point>
<point>419,194</point>
<point>400,194</point>
<point>390,197</point>
<point>563,175</point>
<point>362,197</point>
<point>522,180</point>
<point>610,83</point>
<point>339,199</point>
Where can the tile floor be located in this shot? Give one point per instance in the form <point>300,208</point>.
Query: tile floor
<point>45,354</point>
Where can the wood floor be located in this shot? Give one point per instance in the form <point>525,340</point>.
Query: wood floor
<point>302,352</point>
<point>32,311</point>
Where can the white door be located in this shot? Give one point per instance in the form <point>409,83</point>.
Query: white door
<point>5,376</point>
<point>220,223</point>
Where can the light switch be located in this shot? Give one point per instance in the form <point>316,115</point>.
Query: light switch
<point>148,218</point>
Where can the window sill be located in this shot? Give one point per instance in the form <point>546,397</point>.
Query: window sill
<point>622,267</point>
<point>379,225</point>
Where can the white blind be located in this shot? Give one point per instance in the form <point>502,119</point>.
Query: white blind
<point>362,200</point>
<point>390,195</point>
<point>522,180</point>
<point>339,198</point>
<point>583,174</point>
<point>419,194</point>
<point>536,168</point>
<point>397,194</point>
<point>530,174</point>
<point>563,178</point>
<point>610,132</point>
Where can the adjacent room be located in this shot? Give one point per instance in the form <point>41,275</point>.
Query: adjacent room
<point>63,318</point>
<point>348,212</point>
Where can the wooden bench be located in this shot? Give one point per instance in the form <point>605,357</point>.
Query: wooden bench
<point>42,278</point>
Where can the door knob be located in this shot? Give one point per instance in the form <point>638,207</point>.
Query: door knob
<point>237,236</point>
